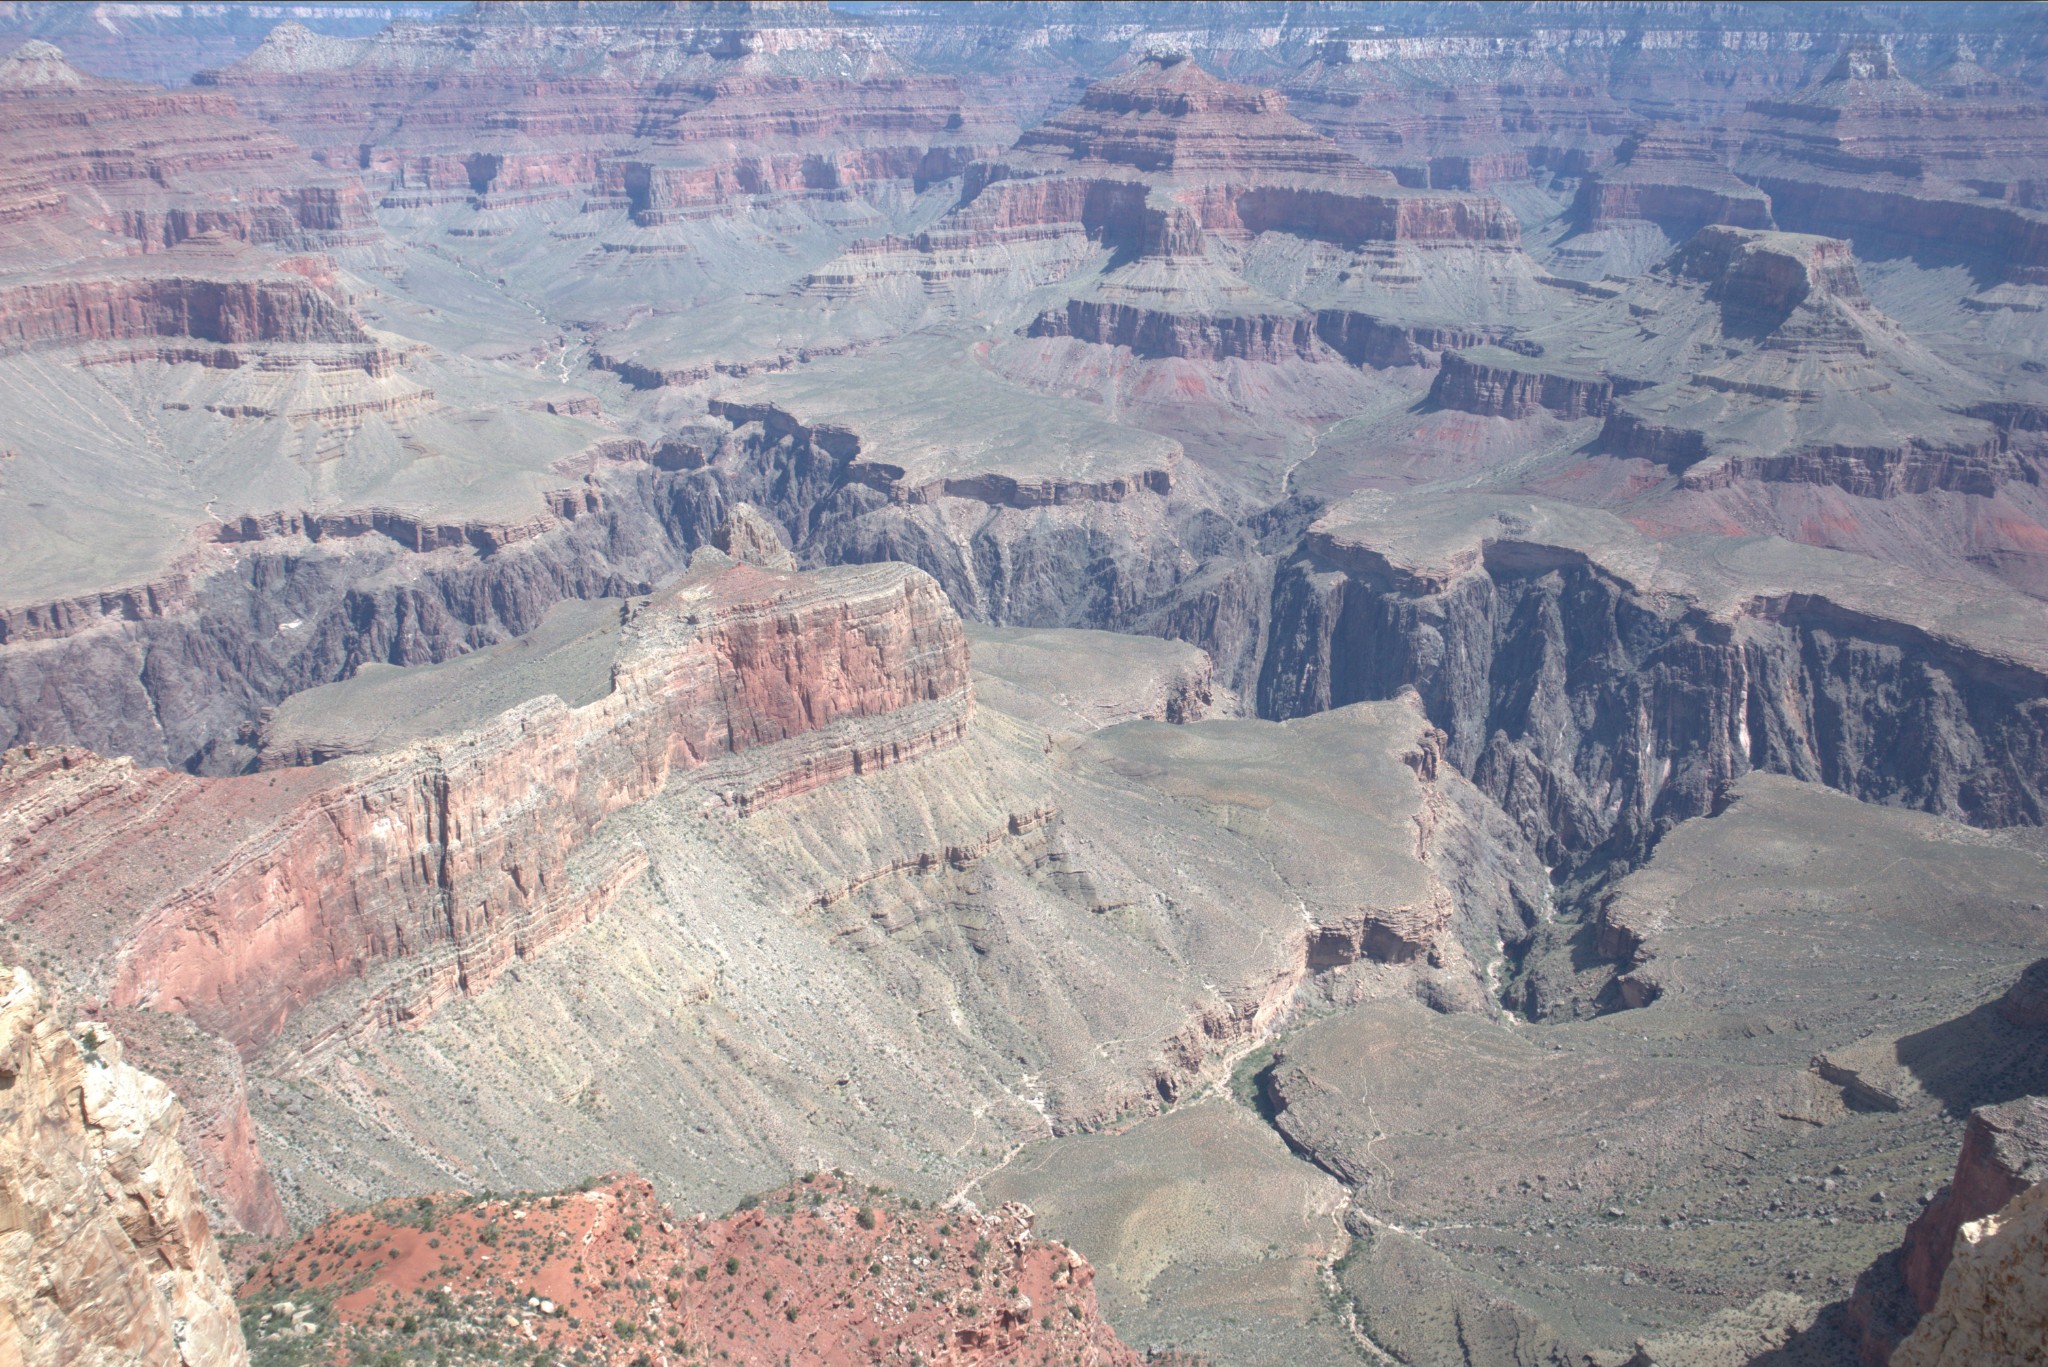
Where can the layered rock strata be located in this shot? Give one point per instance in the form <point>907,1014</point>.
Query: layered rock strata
<point>1154,158</point>
<point>107,1256</point>
<point>1496,383</point>
<point>155,167</point>
<point>450,857</point>
<point>689,109</point>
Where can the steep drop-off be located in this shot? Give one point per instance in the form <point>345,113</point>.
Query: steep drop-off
<point>449,855</point>
<point>1600,715</point>
<point>105,1254</point>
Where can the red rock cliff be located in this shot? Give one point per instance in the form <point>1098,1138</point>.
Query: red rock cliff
<point>451,857</point>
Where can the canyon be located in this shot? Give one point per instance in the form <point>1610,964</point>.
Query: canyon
<point>1219,684</point>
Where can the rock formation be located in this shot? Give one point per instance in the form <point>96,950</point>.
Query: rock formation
<point>1899,1301</point>
<point>1366,572</point>
<point>450,855</point>
<point>107,1255</point>
<point>154,166</point>
<point>1993,1307</point>
<point>668,111</point>
<point>2004,1154</point>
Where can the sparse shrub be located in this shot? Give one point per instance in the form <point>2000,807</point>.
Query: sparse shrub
<point>732,1265</point>
<point>865,1217</point>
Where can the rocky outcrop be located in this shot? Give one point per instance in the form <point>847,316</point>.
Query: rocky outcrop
<point>1167,114</point>
<point>105,1254</point>
<point>1154,333</point>
<point>1676,180</point>
<point>232,312</point>
<point>450,858</point>
<point>2004,1160</point>
<point>1492,388</point>
<point>1154,158</point>
<point>1875,471</point>
<point>1993,1307</point>
<point>1814,385</point>
<point>2004,1154</point>
<point>1365,340</point>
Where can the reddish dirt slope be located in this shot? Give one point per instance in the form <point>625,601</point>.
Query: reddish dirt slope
<point>820,1272</point>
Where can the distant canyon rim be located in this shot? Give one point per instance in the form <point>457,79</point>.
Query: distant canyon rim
<point>1222,684</point>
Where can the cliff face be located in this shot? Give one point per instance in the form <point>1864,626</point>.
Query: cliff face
<point>1155,332</point>
<point>1993,1307</point>
<point>2004,1154</point>
<point>158,167</point>
<point>1492,389</point>
<point>451,857</point>
<point>1947,1294</point>
<point>276,307</point>
<point>1600,717</point>
<point>105,1255</point>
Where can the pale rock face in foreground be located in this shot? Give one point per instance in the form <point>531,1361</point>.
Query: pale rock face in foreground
<point>1993,1309</point>
<point>105,1254</point>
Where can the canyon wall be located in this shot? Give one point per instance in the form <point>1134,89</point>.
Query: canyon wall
<point>1600,716</point>
<point>1993,1307</point>
<point>106,1255</point>
<point>451,857</point>
<point>232,312</point>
